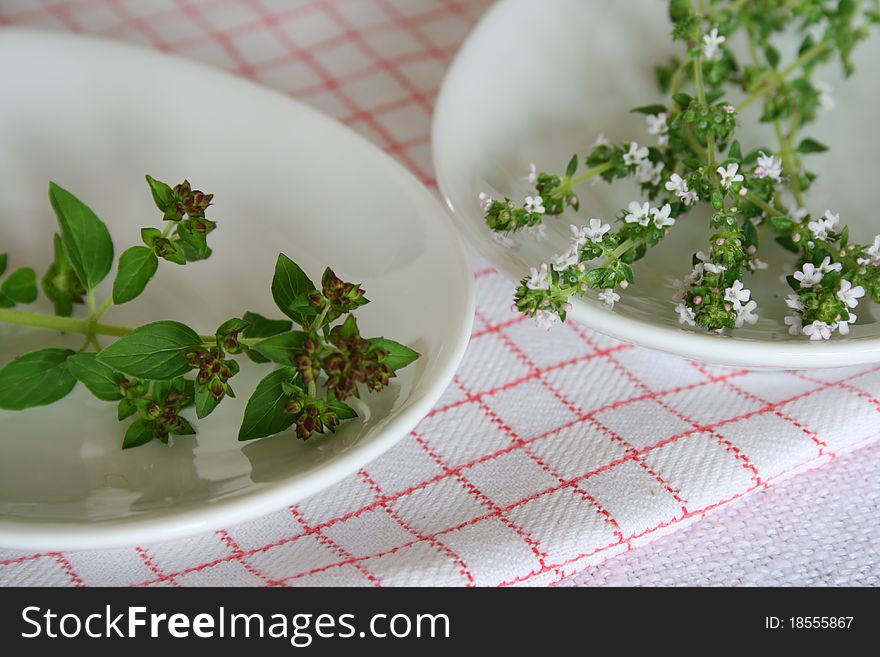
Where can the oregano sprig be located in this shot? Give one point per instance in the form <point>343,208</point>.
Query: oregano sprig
<point>158,373</point>
<point>698,162</point>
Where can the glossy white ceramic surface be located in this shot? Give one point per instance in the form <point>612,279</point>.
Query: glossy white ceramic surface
<point>95,117</point>
<point>536,82</point>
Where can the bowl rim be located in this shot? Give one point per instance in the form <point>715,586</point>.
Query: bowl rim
<point>725,350</point>
<point>190,518</point>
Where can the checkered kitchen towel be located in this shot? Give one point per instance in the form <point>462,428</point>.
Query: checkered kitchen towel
<point>549,452</point>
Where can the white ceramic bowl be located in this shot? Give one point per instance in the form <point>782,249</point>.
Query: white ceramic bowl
<point>536,82</point>
<point>95,117</point>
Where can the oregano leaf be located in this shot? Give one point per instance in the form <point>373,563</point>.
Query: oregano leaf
<point>36,379</point>
<point>101,380</point>
<point>86,240</point>
<point>281,348</point>
<point>289,283</point>
<point>399,356</point>
<point>264,414</point>
<point>137,266</point>
<point>139,433</point>
<point>154,351</point>
<point>21,286</point>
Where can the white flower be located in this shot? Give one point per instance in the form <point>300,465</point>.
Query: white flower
<point>850,295</point>
<point>679,185</point>
<point>535,204</point>
<point>486,202</point>
<point>635,154</point>
<point>798,214</point>
<point>711,43</point>
<point>609,296</point>
<point>795,324</point>
<point>546,319</point>
<point>809,276</point>
<point>661,217</point>
<point>769,167</point>
<point>657,126</point>
<point>746,314</point>
<point>818,330</point>
<point>756,263</point>
<point>656,123</point>
<point>686,315</point>
<point>538,278</point>
<point>532,178</point>
<point>638,214</point>
<point>826,100</point>
<point>874,249</point>
<point>737,294</point>
<point>827,223</point>
<point>712,268</point>
<point>601,140</point>
<point>596,230</point>
<point>729,175</point>
<point>794,302</point>
<point>843,325</point>
<point>826,266</point>
<point>565,260</point>
<point>649,173</point>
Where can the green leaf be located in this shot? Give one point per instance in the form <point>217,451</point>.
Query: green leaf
<point>649,109</point>
<point>782,224</point>
<point>155,351</point>
<point>86,239</point>
<point>809,145</point>
<point>205,402</point>
<point>281,348</point>
<point>572,167</point>
<point>735,152</point>
<point>683,100</point>
<point>750,233</point>
<point>136,267</point>
<point>162,193</point>
<point>264,414</point>
<point>21,286</point>
<point>102,381</point>
<point>399,356</point>
<point>139,433</point>
<point>289,283</point>
<point>126,409</point>
<point>36,379</point>
<point>261,327</point>
<point>772,56</point>
<point>627,271</point>
<point>343,411</point>
<point>193,244</point>
<point>3,261</point>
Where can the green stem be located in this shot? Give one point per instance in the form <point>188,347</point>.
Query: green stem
<point>623,248</point>
<point>168,229</point>
<point>62,324</point>
<point>104,307</point>
<point>786,152</point>
<point>766,207</point>
<point>698,80</point>
<point>590,173</point>
<point>779,78</point>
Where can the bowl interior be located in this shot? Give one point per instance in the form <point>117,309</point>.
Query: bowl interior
<point>550,81</point>
<point>95,117</point>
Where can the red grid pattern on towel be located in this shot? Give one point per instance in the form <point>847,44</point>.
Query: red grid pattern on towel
<point>548,453</point>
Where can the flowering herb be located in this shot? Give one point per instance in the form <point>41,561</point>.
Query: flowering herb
<point>697,161</point>
<point>157,373</point>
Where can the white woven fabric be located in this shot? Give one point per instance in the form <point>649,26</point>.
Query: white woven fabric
<point>819,530</point>
<point>549,452</point>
